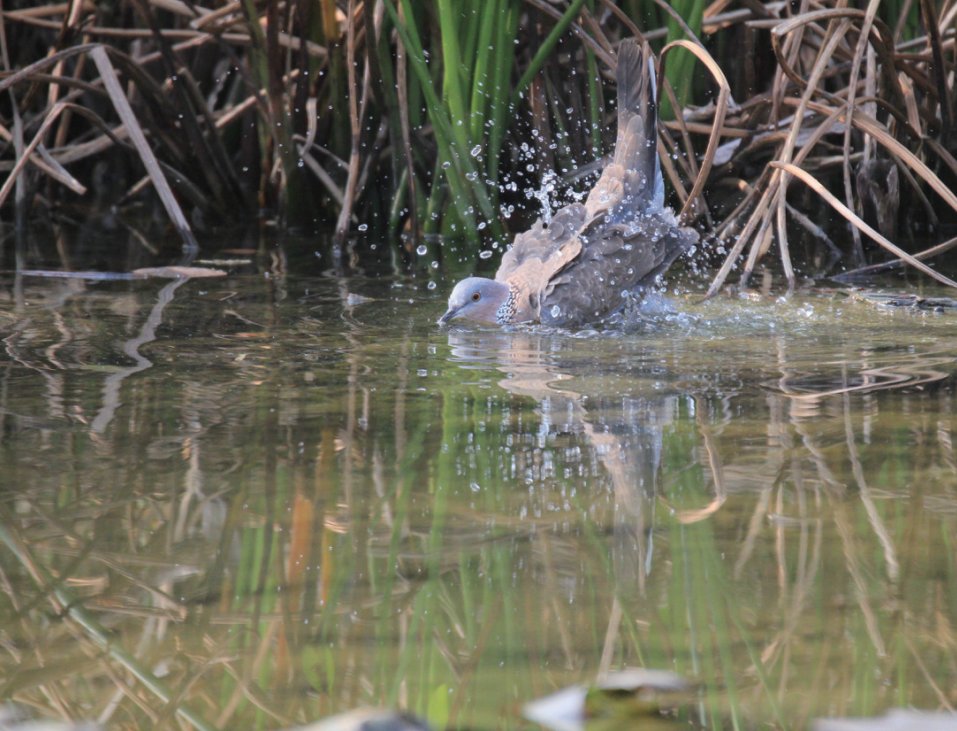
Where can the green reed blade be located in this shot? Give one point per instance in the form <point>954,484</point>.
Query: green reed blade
<point>484,58</point>
<point>502,72</point>
<point>680,64</point>
<point>453,83</point>
<point>467,187</point>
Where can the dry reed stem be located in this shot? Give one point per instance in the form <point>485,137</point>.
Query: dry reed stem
<point>862,47</point>
<point>856,220</point>
<point>342,225</point>
<point>45,163</point>
<point>721,108</point>
<point>873,41</point>
<point>26,153</point>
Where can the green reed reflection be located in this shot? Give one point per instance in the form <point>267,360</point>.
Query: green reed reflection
<point>317,509</point>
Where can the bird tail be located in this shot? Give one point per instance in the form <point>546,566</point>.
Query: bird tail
<point>636,148</point>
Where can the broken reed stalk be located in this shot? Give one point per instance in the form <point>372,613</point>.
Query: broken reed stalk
<point>858,222</point>
<point>130,121</point>
<point>125,111</point>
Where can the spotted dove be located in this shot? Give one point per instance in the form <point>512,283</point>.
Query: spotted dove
<point>582,266</point>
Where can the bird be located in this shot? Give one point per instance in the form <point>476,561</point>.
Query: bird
<point>584,264</point>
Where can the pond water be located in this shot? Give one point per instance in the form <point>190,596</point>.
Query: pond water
<point>258,500</point>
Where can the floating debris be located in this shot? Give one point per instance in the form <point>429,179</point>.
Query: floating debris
<point>898,300</point>
<point>178,272</point>
<point>167,272</point>
<point>897,719</point>
<point>625,695</point>
<point>368,719</point>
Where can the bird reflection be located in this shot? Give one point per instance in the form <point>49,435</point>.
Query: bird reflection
<point>624,431</point>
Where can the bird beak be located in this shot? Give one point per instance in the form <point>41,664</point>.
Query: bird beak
<point>450,315</point>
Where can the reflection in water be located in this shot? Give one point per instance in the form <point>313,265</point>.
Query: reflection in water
<point>131,349</point>
<point>911,370</point>
<point>313,501</point>
<point>624,433</point>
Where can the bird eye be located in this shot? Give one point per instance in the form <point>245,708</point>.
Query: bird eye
<point>476,297</point>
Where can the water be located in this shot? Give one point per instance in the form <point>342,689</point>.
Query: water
<point>259,500</point>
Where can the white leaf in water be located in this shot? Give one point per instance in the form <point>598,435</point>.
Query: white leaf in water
<point>177,272</point>
<point>897,719</point>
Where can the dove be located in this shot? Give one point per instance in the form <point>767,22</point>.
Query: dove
<point>584,264</point>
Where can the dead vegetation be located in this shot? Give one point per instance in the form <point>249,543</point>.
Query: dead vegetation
<point>802,121</point>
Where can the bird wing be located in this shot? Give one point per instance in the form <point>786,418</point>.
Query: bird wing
<point>632,181</point>
<point>616,259</point>
<point>539,254</point>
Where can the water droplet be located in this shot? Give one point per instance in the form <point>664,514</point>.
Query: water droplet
<point>476,151</point>
<point>363,226</point>
<point>485,254</point>
<point>422,250</point>
<point>431,285</point>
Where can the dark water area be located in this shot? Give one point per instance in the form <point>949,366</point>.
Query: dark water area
<point>258,500</point>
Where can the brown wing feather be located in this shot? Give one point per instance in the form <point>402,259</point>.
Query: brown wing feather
<point>542,242</point>
<point>616,259</point>
<point>539,254</point>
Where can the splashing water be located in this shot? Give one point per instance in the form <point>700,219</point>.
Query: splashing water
<point>546,195</point>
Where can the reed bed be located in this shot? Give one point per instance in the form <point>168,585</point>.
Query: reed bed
<point>817,131</point>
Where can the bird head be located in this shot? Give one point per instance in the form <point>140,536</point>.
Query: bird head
<point>476,298</point>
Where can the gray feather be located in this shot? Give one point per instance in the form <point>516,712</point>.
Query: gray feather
<point>636,146</point>
<point>616,260</point>
<point>581,267</point>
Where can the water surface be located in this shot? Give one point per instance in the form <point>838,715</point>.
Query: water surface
<point>258,500</point>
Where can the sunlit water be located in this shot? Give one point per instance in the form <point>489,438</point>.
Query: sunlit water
<point>259,500</point>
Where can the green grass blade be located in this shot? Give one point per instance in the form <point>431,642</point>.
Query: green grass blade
<point>453,82</point>
<point>467,186</point>
<point>502,72</point>
<point>485,55</point>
